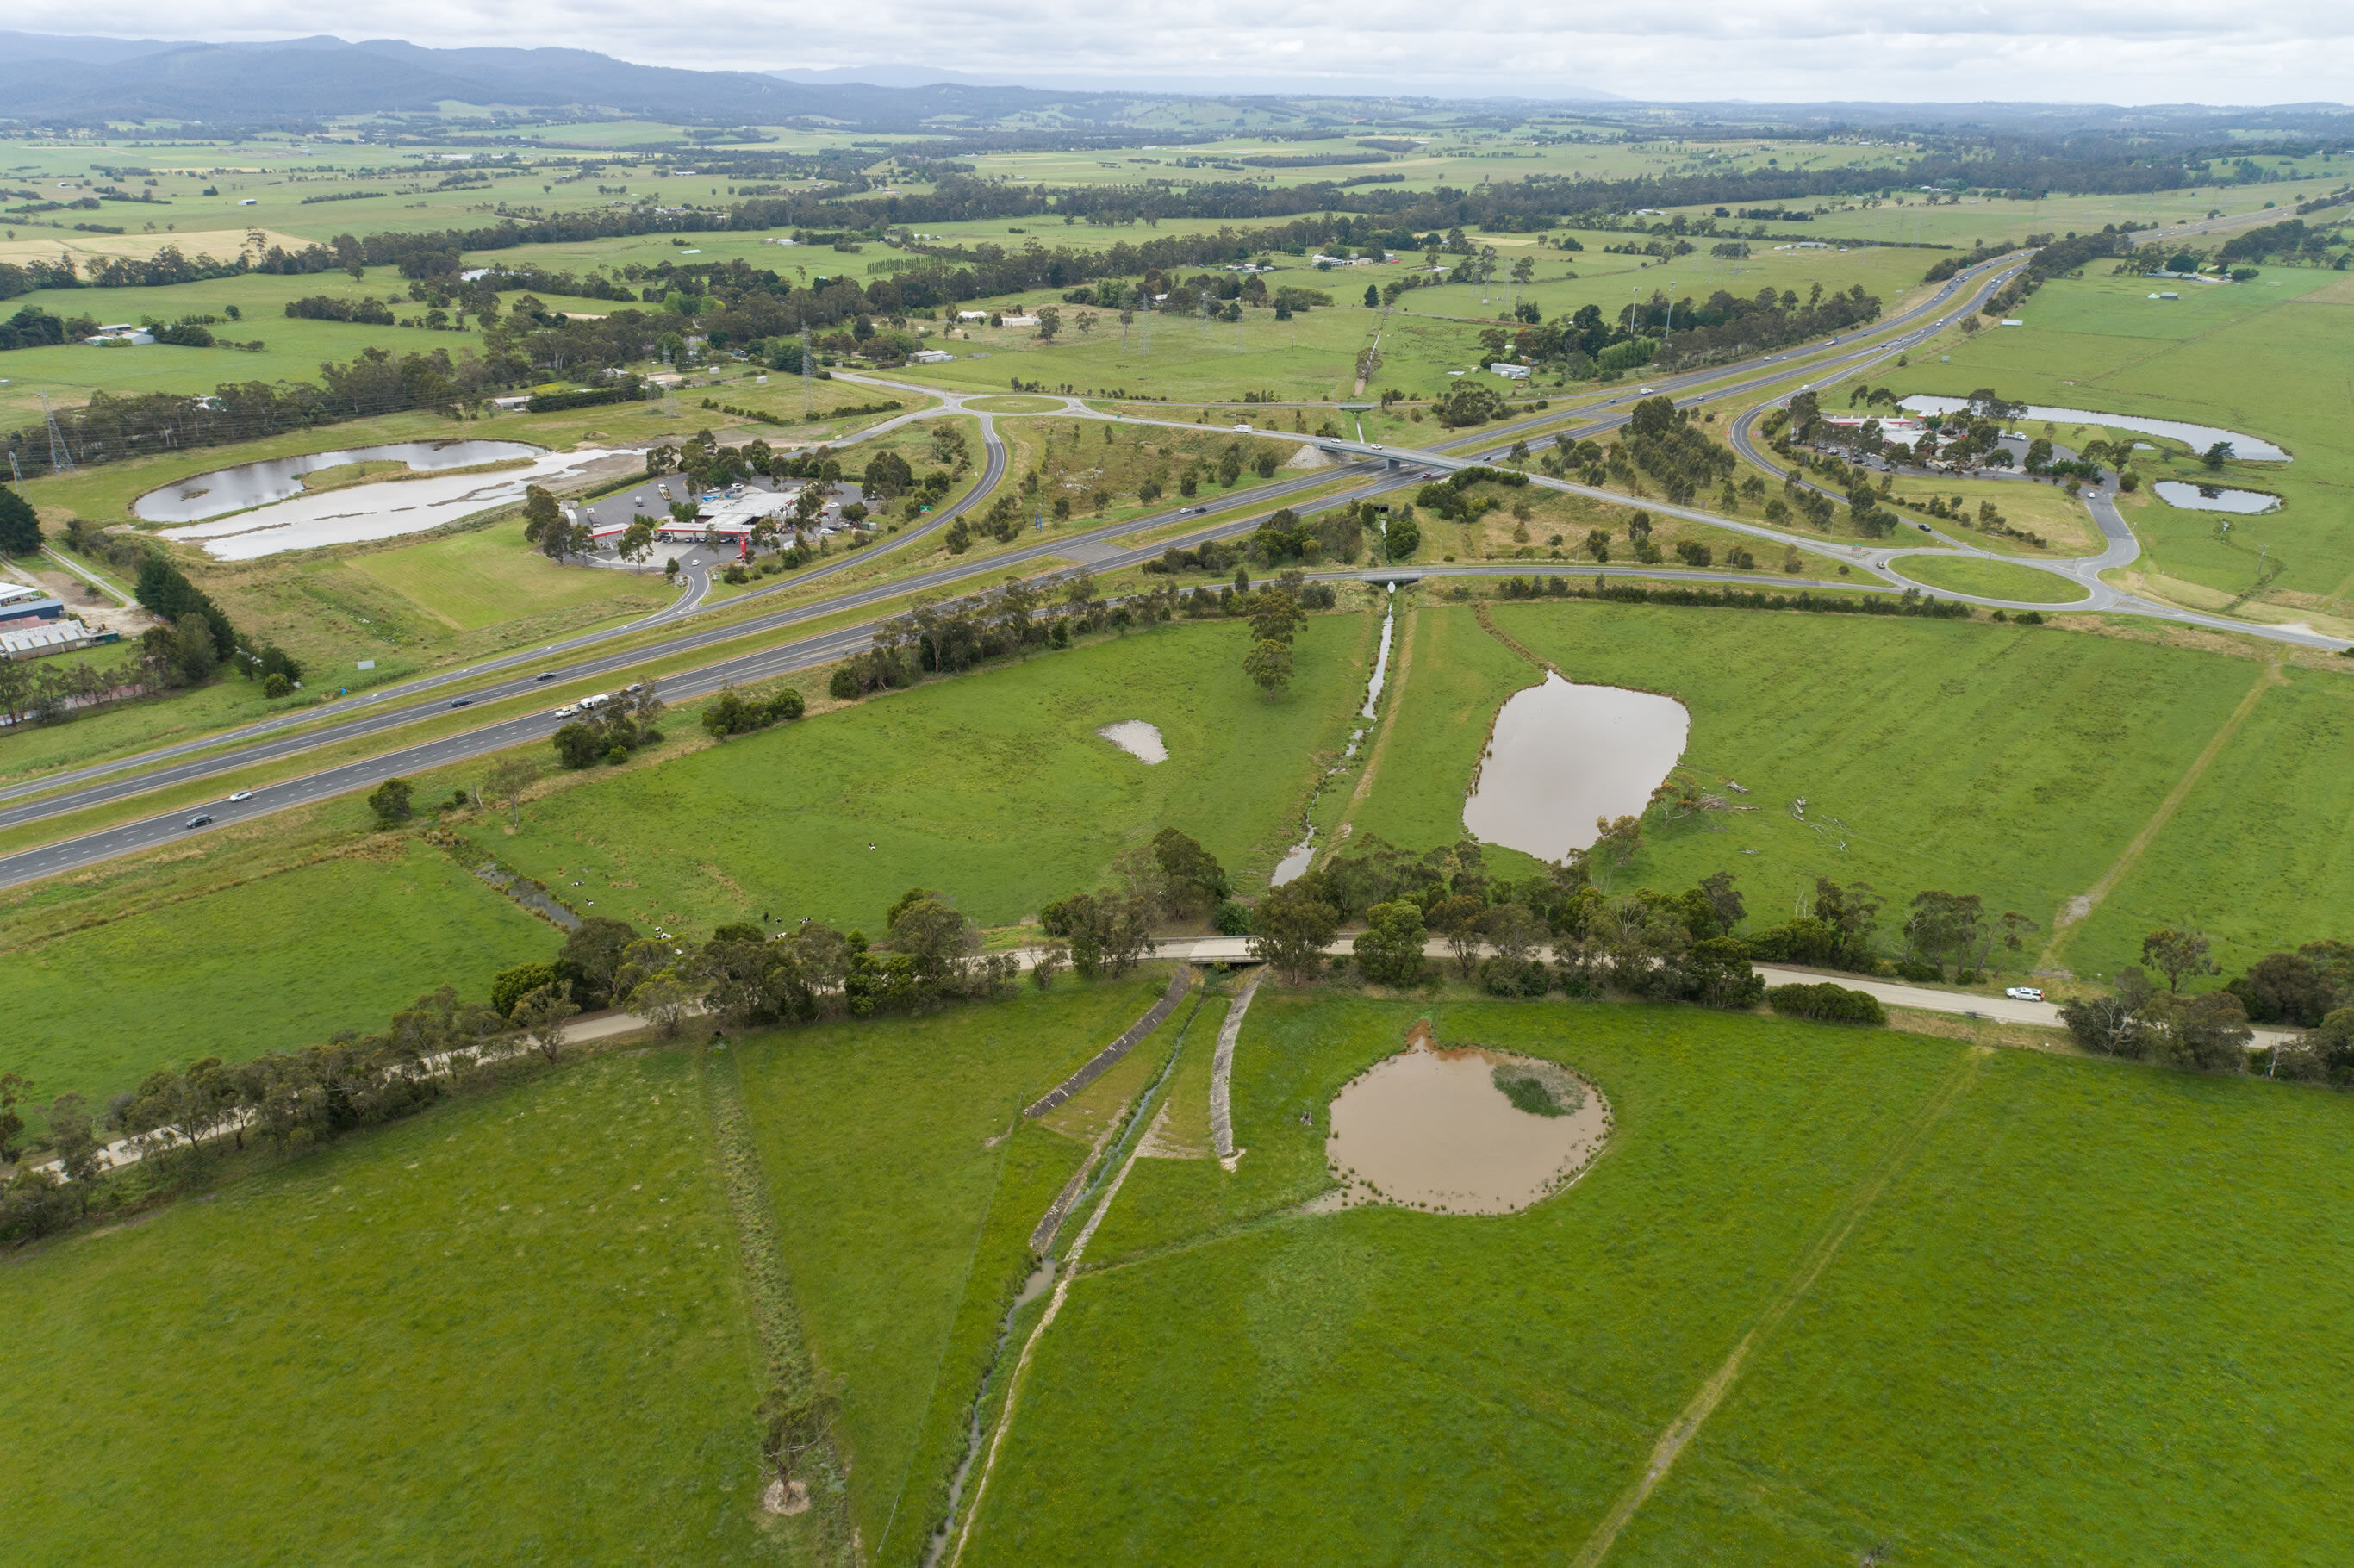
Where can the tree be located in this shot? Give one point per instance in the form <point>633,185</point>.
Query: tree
<point>1269,664</point>
<point>73,1138</point>
<point>592,956</point>
<point>887,477</point>
<point>1195,879</point>
<point>1289,929</point>
<point>1390,951</point>
<point>1717,972</point>
<point>1943,926</point>
<point>1723,901</point>
<point>510,986</point>
<point>389,802</point>
<point>1373,297</point>
<point>936,938</point>
<point>662,999</point>
<point>1050,321</point>
<point>638,538</point>
<point>1460,920</point>
<point>14,1088</point>
<point>2178,955</point>
<point>505,782</point>
<point>2285,987</point>
<point>2206,1034</point>
<point>1616,839</point>
<point>2216,456</point>
<point>543,1014</point>
<point>541,514</point>
<point>20,526</point>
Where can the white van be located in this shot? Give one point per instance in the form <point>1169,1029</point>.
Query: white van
<point>594,700</point>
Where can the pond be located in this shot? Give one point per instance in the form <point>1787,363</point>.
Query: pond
<point>1139,739</point>
<point>248,485</point>
<point>2198,438</point>
<point>380,511</point>
<point>2214,498</point>
<point>1461,1131</point>
<point>1563,755</point>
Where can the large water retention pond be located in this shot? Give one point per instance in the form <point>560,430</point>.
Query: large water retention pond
<point>227,490</point>
<point>1565,753</point>
<point>1462,1130</point>
<point>239,523</point>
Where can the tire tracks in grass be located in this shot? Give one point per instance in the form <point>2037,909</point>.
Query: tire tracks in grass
<point>1687,1424</point>
<point>2073,914</point>
<point>791,1378</point>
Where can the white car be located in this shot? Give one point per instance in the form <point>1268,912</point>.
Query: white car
<point>241,795</point>
<point>2024,993</point>
<point>565,713</point>
<point>1243,429</point>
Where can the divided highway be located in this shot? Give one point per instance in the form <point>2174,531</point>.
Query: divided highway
<point>1096,550</point>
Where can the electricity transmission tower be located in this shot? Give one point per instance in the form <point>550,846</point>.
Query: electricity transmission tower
<point>60,455</point>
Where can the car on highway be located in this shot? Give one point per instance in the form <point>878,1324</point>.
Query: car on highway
<point>240,795</point>
<point>2024,993</point>
<point>545,675</point>
<point>568,711</point>
<point>461,702</point>
<point>202,818</point>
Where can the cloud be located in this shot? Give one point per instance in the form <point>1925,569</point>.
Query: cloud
<point>1808,50</point>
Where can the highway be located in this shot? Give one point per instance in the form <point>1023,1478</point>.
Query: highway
<point>526,672</point>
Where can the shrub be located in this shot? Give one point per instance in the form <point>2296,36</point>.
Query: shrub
<point>274,686</point>
<point>389,802</point>
<point>1515,977</point>
<point>1232,919</point>
<point>1827,1004</point>
<point>845,687</point>
<point>511,986</point>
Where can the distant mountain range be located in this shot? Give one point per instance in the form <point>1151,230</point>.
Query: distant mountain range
<point>44,77</point>
<point>48,78</point>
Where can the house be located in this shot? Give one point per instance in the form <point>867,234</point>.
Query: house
<point>972,315</point>
<point>1509,372</point>
<point>1017,321</point>
<point>122,331</point>
<point>930,356</point>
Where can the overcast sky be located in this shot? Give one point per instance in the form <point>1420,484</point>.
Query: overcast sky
<point>2148,51</point>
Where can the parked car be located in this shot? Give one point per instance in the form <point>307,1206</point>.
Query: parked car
<point>201,819</point>
<point>240,795</point>
<point>2024,993</point>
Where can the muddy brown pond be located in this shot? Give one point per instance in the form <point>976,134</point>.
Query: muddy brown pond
<point>1461,1131</point>
<point>1564,755</point>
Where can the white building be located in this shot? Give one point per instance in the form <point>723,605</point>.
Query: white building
<point>930,356</point>
<point>49,637</point>
<point>1509,372</point>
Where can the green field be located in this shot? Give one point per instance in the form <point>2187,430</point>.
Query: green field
<point>2002,1252</point>
<point>492,574</point>
<point>270,964</point>
<point>2252,358</point>
<point>1988,579</point>
<point>2016,763</point>
<point>992,787</point>
<point>512,1330</point>
<point>904,1209</point>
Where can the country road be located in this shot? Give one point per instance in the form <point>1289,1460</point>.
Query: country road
<point>1381,469</point>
